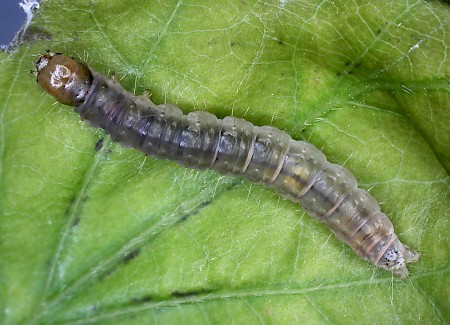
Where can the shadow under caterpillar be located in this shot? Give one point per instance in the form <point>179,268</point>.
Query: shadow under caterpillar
<point>232,146</point>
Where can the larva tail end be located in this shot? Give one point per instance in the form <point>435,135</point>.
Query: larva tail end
<point>396,258</point>
<point>64,78</point>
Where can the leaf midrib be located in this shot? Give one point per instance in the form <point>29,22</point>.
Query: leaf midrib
<point>258,293</point>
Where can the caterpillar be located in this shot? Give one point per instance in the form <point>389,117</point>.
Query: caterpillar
<point>232,146</point>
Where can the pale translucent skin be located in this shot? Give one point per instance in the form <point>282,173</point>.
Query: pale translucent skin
<point>232,146</point>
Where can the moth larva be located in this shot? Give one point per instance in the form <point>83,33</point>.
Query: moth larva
<point>233,146</point>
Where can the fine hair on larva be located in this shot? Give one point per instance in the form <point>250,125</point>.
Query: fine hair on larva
<point>231,146</point>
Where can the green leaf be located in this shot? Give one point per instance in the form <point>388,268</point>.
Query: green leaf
<point>94,233</point>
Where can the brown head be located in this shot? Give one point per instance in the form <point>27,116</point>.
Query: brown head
<point>64,78</point>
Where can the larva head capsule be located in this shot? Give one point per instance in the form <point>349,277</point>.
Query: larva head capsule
<point>64,78</point>
<point>396,257</point>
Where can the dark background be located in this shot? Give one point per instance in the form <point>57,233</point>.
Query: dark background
<point>12,17</point>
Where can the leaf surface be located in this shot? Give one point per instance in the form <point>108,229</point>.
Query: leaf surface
<point>91,232</point>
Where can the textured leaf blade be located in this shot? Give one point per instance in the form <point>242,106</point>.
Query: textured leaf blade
<point>101,234</point>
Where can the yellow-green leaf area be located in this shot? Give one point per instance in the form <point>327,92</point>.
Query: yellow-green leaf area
<point>91,232</point>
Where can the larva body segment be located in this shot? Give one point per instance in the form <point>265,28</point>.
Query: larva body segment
<point>233,146</point>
